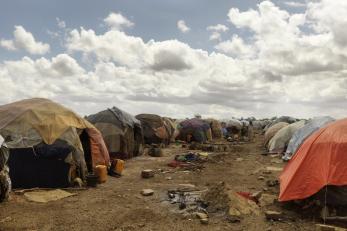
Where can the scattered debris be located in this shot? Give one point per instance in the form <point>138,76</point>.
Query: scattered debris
<point>6,219</point>
<point>44,196</point>
<point>147,192</point>
<point>239,159</point>
<point>272,183</point>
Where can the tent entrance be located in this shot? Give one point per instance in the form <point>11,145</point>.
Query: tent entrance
<point>41,166</point>
<point>86,145</point>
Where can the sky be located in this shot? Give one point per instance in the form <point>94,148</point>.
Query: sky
<point>221,59</point>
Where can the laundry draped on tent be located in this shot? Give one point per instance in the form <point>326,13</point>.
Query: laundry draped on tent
<point>320,161</point>
<point>121,131</point>
<point>280,140</point>
<point>300,135</point>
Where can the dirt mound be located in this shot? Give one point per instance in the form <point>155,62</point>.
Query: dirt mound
<point>221,198</point>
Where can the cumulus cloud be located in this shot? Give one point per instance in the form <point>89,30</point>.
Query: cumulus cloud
<point>24,40</point>
<point>117,21</point>
<point>216,31</point>
<point>277,62</point>
<point>181,25</point>
<point>61,24</point>
<point>236,47</point>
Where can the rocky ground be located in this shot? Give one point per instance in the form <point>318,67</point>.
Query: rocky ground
<point>119,205</point>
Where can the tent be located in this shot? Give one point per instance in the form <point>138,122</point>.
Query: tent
<point>320,161</point>
<point>279,142</point>
<point>233,127</point>
<point>300,135</point>
<point>271,132</point>
<point>154,129</point>
<point>286,119</point>
<point>195,130</point>
<point>171,128</point>
<point>121,131</point>
<point>216,128</point>
<point>5,181</point>
<point>49,144</point>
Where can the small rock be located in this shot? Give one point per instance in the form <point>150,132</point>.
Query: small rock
<point>267,199</point>
<point>261,178</point>
<point>204,221</point>
<point>147,173</point>
<point>273,215</point>
<point>239,159</point>
<point>267,172</point>
<point>201,215</point>
<point>257,194</point>
<point>168,178</point>
<point>147,192</point>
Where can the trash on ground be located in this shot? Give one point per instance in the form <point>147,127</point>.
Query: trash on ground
<point>44,196</point>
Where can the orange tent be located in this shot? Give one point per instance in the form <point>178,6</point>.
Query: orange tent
<point>321,160</point>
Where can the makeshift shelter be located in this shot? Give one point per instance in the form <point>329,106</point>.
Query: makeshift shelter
<point>216,128</point>
<point>121,131</point>
<point>195,130</point>
<point>272,131</point>
<point>280,140</point>
<point>233,127</point>
<point>171,128</point>
<point>5,181</point>
<point>49,144</point>
<point>286,119</point>
<point>300,135</point>
<point>154,129</point>
<point>320,161</point>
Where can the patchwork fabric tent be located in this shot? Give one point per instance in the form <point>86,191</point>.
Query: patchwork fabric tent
<point>280,140</point>
<point>121,131</point>
<point>195,130</point>
<point>154,129</point>
<point>171,128</point>
<point>44,136</point>
<point>216,128</point>
<point>300,135</point>
<point>320,161</point>
<point>5,181</point>
<point>272,131</point>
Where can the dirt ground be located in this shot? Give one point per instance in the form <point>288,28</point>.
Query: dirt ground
<point>118,204</point>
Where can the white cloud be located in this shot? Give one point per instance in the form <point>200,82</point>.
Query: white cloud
<point>181,25</point>
<point>218,27</point>
<point>236,47</point>
<point>24,40</point>
<point>216,31</point>
<point>295,4</point>
<point>285,63</point>
<point>117,21</point>
<point>61,24</point>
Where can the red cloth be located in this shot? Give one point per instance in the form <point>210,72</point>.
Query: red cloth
<point>321,160</point>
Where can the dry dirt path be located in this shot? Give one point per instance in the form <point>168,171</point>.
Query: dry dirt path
<point>118,205</point>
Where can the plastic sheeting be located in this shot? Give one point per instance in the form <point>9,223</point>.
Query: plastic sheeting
<point>300,135</point>
<point>321,160</point>
<point>279,142</point>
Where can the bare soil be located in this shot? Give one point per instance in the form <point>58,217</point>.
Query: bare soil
<point>118,204</point>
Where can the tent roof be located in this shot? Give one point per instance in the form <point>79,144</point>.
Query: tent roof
<point>48,118</point>
<point>321,160</point>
